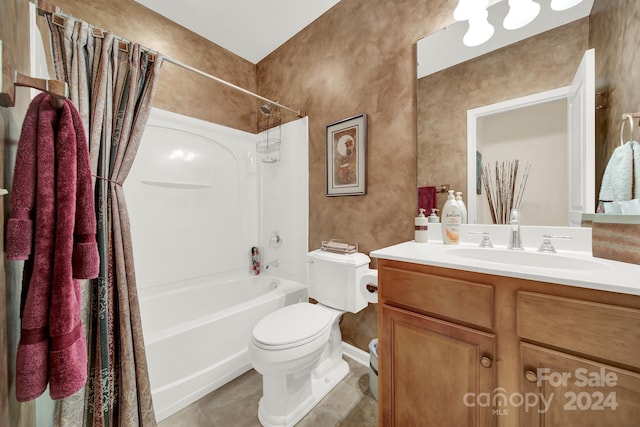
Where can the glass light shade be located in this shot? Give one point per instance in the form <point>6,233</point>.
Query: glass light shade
<point>468,8</point>
<point>521,13</point>
<point>563,4</point>
<point>479,30</point>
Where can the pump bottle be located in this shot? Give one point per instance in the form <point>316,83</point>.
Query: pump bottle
<point>421,228</point>
<point>451,218</point>
<point>463,208</point>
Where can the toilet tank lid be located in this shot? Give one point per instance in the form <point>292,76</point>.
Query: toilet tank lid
<point>358,259</point>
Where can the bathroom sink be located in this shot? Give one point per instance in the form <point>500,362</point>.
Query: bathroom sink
<point>528,259</point>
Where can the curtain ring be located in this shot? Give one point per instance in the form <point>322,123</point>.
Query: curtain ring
<point>626,118</point>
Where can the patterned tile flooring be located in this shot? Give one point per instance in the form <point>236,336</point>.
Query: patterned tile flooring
<point>349,404</point>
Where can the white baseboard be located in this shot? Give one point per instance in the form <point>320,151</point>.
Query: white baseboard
<point>356,354</point>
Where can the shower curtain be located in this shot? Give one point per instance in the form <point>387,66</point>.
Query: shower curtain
<point>112,83</point>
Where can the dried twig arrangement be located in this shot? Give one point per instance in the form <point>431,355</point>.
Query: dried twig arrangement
<point>505,189</point>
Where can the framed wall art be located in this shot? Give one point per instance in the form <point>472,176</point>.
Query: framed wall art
<point>346,156</point>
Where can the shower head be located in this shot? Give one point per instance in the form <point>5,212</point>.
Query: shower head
<point>266,109</point>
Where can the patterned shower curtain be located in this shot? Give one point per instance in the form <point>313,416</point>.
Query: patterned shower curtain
<point>112,83</point>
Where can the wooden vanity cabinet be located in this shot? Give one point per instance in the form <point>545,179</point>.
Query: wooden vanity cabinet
<point>468,349</point>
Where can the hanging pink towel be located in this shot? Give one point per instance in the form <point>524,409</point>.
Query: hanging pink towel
<point>53,227</point>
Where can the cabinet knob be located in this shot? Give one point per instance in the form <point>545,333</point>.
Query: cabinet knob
<point>486,361</point>
<point>531,376</point>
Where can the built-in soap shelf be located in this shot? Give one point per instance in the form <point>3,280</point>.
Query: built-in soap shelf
<point>175,185</point>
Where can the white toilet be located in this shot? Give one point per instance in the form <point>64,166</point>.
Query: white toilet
<point>298,348</point>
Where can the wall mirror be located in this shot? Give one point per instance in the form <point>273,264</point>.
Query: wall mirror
<point>508,99</point>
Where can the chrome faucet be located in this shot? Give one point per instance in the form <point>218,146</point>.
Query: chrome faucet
<point>515,242</point>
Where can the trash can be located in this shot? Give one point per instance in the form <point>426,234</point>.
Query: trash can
<point>373,367</point>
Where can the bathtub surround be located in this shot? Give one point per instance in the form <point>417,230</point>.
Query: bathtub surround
<point>199,301</point>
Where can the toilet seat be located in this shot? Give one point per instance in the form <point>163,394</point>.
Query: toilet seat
<point>291,326</point>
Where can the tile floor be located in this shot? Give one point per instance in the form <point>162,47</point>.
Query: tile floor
<point>235,404</point>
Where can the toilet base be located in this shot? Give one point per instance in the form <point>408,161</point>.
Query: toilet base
<point>320,387</point>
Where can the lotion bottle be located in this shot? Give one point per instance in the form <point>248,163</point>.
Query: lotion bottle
<point>421,228</point>
<point>451,218</point>
<point>463,208</point>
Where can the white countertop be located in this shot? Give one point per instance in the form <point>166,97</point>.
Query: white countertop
<point>612,276</point>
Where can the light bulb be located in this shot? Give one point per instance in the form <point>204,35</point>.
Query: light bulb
<point>468,8</point>
<point>479,30</point>
<point>563,4</point>
<point>521,13</point>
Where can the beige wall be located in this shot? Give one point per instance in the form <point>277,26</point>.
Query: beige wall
<point>540,63</point>
<point>180,91</point>
<point>615,34</point>
<point>359,57</point>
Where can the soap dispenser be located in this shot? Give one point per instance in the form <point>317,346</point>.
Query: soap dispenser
<point>463,208</point>
<point>451,219</point>
<point>421,227</point>
<point>434,215</point>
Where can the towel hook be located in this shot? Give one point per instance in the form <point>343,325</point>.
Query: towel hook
<point>626,118</point>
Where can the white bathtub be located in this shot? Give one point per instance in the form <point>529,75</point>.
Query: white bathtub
<point>197,332</point>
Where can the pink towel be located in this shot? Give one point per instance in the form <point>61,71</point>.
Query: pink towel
<point>52,226</point>
<point>427,199</point>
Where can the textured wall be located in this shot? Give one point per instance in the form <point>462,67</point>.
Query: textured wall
<point>359,57</point>
<point>180,91</point>
<point>539,63</point>
<point>615,34</point>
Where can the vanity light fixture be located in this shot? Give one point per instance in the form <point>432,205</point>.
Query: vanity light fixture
<point>563,4</point>
<point>479,29</point>
<point>521,13</point>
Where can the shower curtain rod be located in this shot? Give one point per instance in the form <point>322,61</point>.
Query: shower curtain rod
<point>44,6</point>
<point>231,85</point>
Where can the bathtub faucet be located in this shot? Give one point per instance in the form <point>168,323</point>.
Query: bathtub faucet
<point>274,263</point>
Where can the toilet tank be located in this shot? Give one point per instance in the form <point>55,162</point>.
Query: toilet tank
<point>333,279</point>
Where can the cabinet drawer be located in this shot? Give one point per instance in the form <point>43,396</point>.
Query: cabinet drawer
<point>455,299</point>
<point>600,330</point>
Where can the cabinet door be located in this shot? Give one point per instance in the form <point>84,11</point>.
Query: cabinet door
<point>432,372</point>
<point>563,390</point>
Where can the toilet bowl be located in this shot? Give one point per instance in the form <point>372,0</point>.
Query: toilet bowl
<point>300,366</point>
<point>298,348</point>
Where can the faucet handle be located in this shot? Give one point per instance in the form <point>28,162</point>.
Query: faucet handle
<point>486,241</point>
<point>546,245</point>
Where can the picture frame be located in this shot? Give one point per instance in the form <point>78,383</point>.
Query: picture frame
<point>346,154</point>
